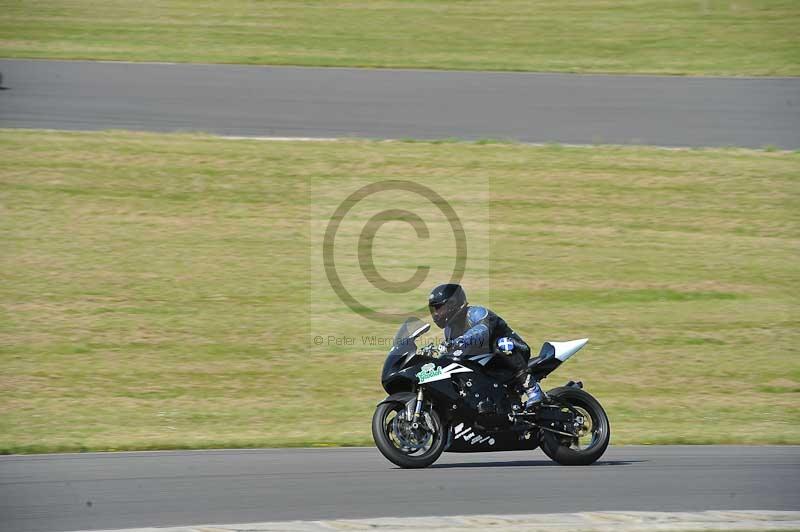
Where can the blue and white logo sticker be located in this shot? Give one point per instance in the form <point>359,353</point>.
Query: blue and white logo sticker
<point>505,344</point>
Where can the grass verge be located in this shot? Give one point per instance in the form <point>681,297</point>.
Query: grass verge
<point>156,288</point>
<point>696,37</point>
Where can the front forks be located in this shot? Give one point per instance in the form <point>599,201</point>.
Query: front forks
<point>413,410</point>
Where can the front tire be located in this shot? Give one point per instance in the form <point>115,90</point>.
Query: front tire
<point>597,432</point>
<point>400,444</point>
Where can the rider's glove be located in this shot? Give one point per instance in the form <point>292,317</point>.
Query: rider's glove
<point>449,346</point>
<point>444,348</point>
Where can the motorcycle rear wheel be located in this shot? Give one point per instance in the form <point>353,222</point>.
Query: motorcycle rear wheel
<point>402,445</point>
<point>571,451</point>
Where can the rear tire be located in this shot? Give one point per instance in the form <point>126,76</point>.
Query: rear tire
<point>387,442</point>
<point>562,449</point>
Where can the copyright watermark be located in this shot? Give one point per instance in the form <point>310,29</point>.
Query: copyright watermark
<point>368,340</point>
<point>366,239</point>
<point>379,247</point>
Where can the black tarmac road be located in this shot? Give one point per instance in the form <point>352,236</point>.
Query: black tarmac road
<point>332,102</point>
<point>120,490</point>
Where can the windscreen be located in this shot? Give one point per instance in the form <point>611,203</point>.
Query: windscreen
<point>407,329</point>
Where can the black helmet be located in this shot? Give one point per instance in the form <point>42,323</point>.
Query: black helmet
<point>446,302</point>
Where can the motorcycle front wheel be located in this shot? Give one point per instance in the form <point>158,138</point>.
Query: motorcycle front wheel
<point>594,430</point>
<point>403,444</point>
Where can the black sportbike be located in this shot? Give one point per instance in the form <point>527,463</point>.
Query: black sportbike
<point>439,402</point>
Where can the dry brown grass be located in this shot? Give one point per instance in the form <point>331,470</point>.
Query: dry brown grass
<point>159,291</point>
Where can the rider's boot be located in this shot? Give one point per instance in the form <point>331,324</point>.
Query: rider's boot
<point>533,391</point>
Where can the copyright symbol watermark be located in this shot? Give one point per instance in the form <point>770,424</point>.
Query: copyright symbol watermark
<point>366,240</point>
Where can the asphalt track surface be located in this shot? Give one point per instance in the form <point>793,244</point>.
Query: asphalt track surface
<point>338,102</point>
<point>119,490</point>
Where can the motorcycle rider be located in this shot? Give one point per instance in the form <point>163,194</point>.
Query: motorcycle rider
<point>477,330</point>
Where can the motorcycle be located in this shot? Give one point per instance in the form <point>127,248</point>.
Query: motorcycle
<point>440,401</point>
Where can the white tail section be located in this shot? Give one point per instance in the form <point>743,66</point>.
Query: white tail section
<point>564,350</point>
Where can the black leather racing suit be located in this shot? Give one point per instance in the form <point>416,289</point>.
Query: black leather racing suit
<point>477,330</point>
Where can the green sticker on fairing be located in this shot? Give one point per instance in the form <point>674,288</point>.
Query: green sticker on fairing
<point>428,372</point>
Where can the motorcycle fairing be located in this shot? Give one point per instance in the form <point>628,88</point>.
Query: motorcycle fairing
<point>465,437</point>
<point>482,358</point>
<point>438,373</point>
<point>552,355</point>
<point>564,350</point>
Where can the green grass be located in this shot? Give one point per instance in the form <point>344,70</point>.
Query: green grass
<point>696,37</point>
<point>156,289</point>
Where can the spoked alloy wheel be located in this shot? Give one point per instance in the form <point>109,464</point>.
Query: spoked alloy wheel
<point>401,442</point>
<point>588,431</point>
<point>591,427</point>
